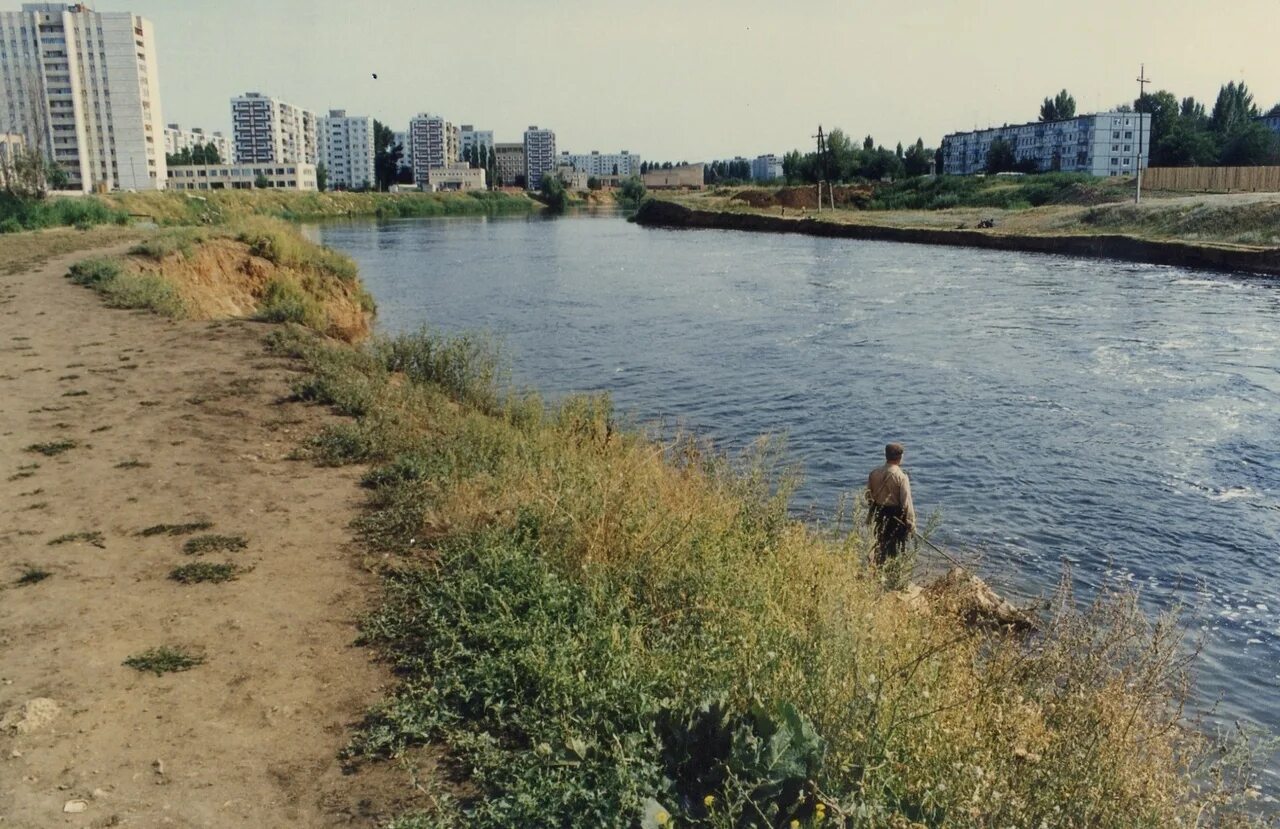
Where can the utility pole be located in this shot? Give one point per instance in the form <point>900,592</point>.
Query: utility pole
<point>822,163</point>
<point>1143,80</point>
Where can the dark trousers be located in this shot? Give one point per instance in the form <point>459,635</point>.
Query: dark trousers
<point>891,531</point>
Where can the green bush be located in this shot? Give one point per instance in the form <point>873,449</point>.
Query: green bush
<point>125,289</point>
<point>284,301</point>
<point>58,211</point>
<point>466,366</point>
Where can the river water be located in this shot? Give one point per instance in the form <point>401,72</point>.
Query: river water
<point>1121,418</point>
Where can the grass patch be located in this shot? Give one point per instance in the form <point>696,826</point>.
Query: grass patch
<point>175,529</point>
<point>123,288</point>
<point>18,476</point>
<point>204,571</point>
<point>598,626</point>
<point>32,575</point>
<point>284,300</point>
<point>83,212</point>
<point>52,448</point>
<point>133,463</point>
<point>89,537</point>
<point>176,241</point>
<point>163,660</point>
<point>214,543</point>
<point>75,393</point>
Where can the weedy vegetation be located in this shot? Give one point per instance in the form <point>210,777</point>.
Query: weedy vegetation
<point>133,463</point>
<point>93,537</point>
<point>32,575</point>
<point>164,659</point>
<point>204,571</point>
<point>608,628</point>
<point>52,448</point>
<point>175,529</point>
<point>122,288</point>
<point>214,543</point>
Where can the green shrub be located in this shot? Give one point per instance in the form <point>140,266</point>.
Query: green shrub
<point>125,289</point>
<point>466,366</point>
<point>56,211</point>
<point>284,300</point>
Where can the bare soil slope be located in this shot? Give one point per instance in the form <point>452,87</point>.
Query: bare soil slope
<point>169,423</point>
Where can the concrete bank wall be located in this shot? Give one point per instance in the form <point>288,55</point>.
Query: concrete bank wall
<point>1266,261</point>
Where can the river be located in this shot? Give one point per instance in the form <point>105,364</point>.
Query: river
<point>1123,419</point>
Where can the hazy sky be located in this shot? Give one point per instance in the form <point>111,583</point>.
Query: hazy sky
<point>702,79</point>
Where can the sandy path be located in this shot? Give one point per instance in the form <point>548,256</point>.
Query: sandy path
<point>192,410</point>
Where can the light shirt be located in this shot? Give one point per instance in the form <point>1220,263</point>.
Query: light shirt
<point>889,486</point>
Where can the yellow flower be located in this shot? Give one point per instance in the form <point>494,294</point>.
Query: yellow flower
<point>795,824</point>
<point>821,807</point>
<point>662,817</point>
<point>709,801</point>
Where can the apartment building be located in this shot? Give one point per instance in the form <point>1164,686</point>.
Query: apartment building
<point>509,164</point>
<point>766,167</point>
<point>602,165</point>
<point>84,88</point>
<point>269,129</point>
<point>539,156</point>
<point>346,150</point>
<point>435,142</point>
<point>470,138</point>
<point>176,139</point>
<point>1103,144</point>
<point>282,176</point>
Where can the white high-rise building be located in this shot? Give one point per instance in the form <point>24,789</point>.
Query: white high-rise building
<point>346,150</point>
<point>1105,144</point>
<point>435,142</point>
<point>766,168</point>
<point>470,138</point>
<point>83,87</point>
<point>268,129</point>
<point>596,163</point>
<point>539,156</point>
<point>176,139</point>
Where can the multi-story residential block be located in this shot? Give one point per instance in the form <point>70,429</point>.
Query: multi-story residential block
<point>539,156</point>
<point>766,168</point>
<point>470,138</point>
<point>83,87</point>
<point>1103,144</point>
<point>283,175</point>
<point>346,150</point>
<point>1271,122</point>
<point>509,160</point>
<point>457,175</point>
<point>268,129</point>
<point>176,139</point>
<point>602,165</point>
<point>435,143</point>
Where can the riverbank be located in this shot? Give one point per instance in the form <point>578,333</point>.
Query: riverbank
<point>1195,232</point>
<point>566,606</point>
<point>151,514</point>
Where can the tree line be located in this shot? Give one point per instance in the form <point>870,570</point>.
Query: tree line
<point>199,154</point>
<point>845,161</point>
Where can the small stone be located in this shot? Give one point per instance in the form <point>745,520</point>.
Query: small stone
<point>72,807</point>
<point>15,754</point>
<point>98,794</point>
<point>158,765</point>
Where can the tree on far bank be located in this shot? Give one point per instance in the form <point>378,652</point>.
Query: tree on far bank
<point>1059,107</point>
<point>261,182</point>
<point>322,178</point>
<point>386,155</point>
<point>632,190</point>
<point>1001,157</point>
<point>554,193</point>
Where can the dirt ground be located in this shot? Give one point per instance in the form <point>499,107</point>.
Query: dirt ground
<point>172,422</point>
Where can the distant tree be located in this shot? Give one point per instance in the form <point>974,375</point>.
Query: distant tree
<point>1193,110</point>
<point>520,181</point>
<point>55,176</point>
<point>1250,143</point>
<point>1163,108</point>
<point>469,156</point>
<point>554,194</point>
<point>1001,157</point>
<point>594,183</point>
<point>261,182</point>
<point>1186,145</point>
<point>868,143</point>
<point>937,161</point>
<point>667,165</point>
<point>917,160</point>
<point>1233,106</point>
<point>644,167</point>
<point>1059,107</point>
<point>386,156</point>
<point>1274,112</point>
<point>212,156</point>
<point>632,190</point>
<point>322,178</point>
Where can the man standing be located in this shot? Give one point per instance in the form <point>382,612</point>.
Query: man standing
<point>889,508</point>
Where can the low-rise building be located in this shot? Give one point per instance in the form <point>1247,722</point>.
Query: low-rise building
<point>571,178</point>
<point>243,176</point>
<point>456,176</point>
<point>766,168</point>
<point>176,139</point>
<point>688,176</point>
<point>509,164</point>
<point>539,156</point>
<point>1103,144</point>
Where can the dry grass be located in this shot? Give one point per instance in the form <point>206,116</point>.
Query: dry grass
<point>23,251</point>
<point>559,576</point>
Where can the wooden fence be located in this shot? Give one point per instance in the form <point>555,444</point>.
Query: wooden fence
<point>1217,179</point>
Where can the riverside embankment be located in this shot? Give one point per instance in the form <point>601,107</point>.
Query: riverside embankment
<point>1189,254</point>
<point>596,626</point>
